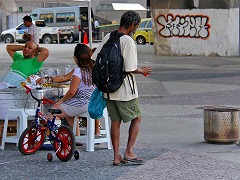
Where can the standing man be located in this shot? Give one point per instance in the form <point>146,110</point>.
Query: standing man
<point>96,25</point>
<point>33,30</point>
<point>123,105</point>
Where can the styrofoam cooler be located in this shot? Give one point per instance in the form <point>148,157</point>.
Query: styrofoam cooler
<point>17,98</point>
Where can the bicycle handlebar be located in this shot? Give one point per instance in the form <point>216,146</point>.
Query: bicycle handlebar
<point>44,100</point>
<point>28,89</point>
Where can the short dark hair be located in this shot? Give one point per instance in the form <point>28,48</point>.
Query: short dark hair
<point>27,18</point>
<point>128,18</point>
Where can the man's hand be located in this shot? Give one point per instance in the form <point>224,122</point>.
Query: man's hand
<point>26,36</point>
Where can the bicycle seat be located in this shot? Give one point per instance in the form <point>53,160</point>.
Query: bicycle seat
<point>55,111</point>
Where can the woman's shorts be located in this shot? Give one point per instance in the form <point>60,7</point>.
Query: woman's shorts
<point>123,110</point>
<point>73,111</point>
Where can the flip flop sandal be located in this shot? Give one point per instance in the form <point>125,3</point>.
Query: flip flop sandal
<point>136,160</point>
<point>123,162</point>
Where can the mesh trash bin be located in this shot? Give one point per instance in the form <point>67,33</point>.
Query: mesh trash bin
<point>221,124</point>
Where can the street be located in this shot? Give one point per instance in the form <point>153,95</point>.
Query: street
<point>171,129</point>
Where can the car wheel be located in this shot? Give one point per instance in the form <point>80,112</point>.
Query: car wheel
<point>70,39</point>
<point>141,40</point>
<point>47,39</point>
<point>8,39</point>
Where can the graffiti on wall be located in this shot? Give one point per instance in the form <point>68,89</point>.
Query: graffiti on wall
<point>189,26</point>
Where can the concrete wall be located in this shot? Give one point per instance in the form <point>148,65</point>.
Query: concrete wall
<point>1,20</point>
<point>171,4</point>
<point>210,30</point>
<point>219,4</point>
<point>188,4</point>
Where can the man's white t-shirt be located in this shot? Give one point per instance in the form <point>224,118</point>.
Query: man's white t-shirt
<point>33,30</point>
<point>129,53</point>
<point>96,23</point>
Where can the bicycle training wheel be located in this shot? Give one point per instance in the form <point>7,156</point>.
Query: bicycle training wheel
<point>31,139</point>
<point>65,149</point>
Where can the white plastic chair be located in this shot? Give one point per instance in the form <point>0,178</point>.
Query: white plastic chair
<point>89,138</point>
<point>21,115</point>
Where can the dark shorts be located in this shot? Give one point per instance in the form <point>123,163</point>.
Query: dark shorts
<point>123,110</point>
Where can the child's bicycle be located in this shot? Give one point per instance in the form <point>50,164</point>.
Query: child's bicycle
<point>61,137</point>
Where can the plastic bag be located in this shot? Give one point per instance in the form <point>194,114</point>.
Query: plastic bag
<point>96,104</point>
<point>49,72</point>
<point>32,79</point>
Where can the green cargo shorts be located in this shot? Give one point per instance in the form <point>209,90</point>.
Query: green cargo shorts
<point>123,110</point>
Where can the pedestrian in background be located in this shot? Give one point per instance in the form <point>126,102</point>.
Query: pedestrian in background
<point>33,31</point>
<point>123,105</point>
<point>96,25</point>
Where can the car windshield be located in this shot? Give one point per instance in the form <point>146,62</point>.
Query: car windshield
<point>33,16</point>
<point>143,24</point>
<point>22,26</point>
<point>149,25</point>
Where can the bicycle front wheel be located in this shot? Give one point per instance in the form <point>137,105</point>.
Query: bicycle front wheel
<point>31,139</point>
<point>66,147</point>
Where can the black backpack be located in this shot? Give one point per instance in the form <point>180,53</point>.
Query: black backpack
<point>108,74</point>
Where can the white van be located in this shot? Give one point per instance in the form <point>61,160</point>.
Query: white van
<point>46,34</point>
<point>74,16</point>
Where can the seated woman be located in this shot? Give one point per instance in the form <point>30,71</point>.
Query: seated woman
<point>24,65</point>
<point>77,98</point>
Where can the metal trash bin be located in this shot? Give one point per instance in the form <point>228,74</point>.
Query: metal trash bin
<point>221,124</point>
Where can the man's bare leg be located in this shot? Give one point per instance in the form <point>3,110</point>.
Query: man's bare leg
<point>115,137</point>
<point>133,133</point>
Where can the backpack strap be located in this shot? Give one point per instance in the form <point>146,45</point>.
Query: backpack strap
<point>131,86</point>
<point>114,36</point>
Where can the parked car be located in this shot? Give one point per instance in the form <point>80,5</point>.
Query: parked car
<point>143,33</point>
<point>46,34</point>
